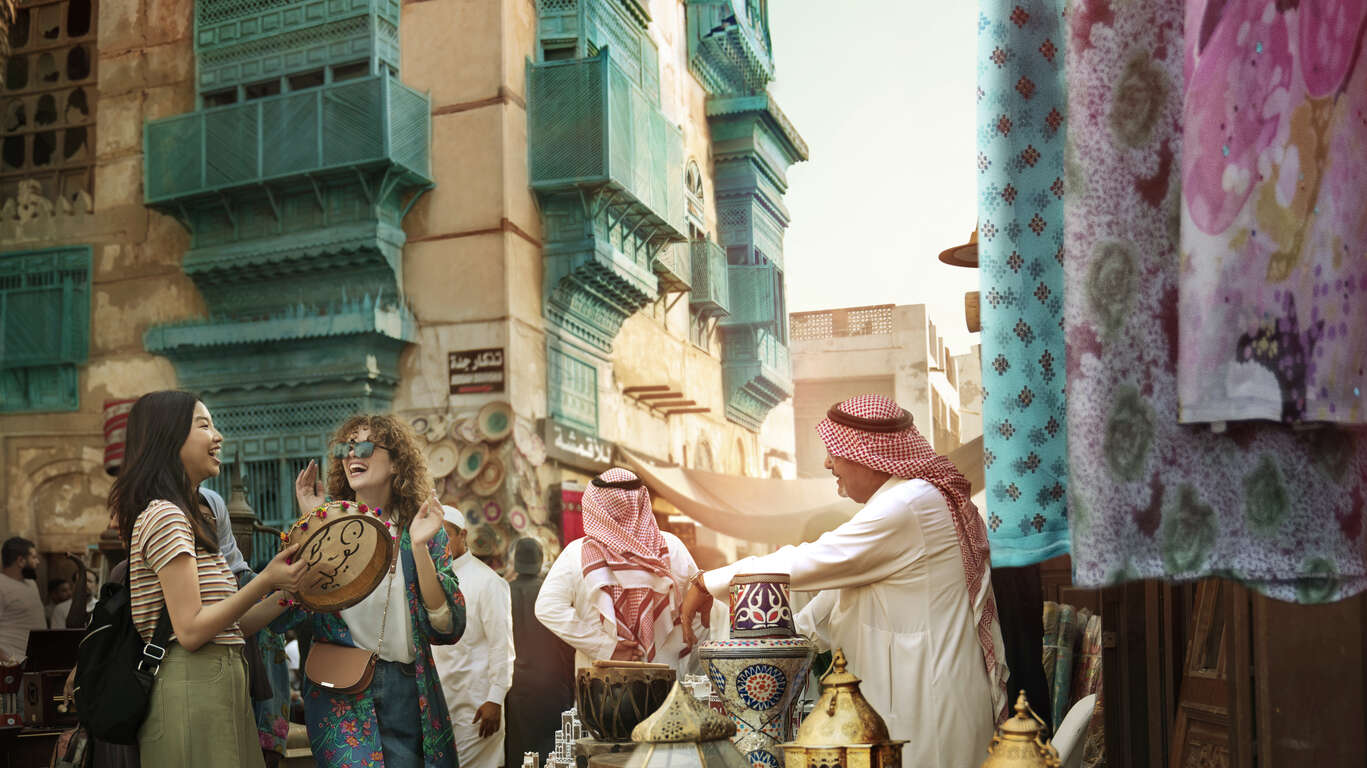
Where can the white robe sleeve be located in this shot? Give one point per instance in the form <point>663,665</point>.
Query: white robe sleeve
<point>498,633</point>
<point>555,609</point>
<point>877,542</point>
<point>814,620</point>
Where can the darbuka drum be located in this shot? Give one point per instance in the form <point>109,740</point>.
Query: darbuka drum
<point>346,549</point>
<point>613,697</point>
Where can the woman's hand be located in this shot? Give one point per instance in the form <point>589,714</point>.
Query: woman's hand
<point>307,490</point>
<point>427,522</point>
<point>285,571</point>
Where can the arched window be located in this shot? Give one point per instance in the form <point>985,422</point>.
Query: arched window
<point>693,198</point>
<point>704,459</point>
<point>693,180</point>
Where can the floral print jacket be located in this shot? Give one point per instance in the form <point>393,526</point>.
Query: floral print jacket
<point>343,730</point>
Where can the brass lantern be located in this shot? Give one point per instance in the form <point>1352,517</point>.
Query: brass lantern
<point>1017,743</point>
<point>684,733</point>
<point>842,730</point>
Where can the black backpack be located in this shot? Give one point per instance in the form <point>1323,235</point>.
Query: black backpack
<point>115,670</point>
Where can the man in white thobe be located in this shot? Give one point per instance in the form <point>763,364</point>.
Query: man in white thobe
<point>477,671</point>
<point>614,592</point>
<point>905,587</point>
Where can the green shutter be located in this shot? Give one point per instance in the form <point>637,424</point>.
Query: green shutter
<point>44,327</point>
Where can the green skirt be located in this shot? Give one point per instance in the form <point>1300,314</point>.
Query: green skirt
<point>200,713</point>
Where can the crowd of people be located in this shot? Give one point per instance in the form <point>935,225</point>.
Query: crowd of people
<point>472,668</point>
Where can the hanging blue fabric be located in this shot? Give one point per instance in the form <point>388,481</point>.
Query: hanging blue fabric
<point>1021,138</point>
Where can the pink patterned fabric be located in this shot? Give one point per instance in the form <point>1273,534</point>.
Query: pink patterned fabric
<point>626,558</point>
<point>1274,215</point>
<point>906,454</point>
<point>1278,509</point>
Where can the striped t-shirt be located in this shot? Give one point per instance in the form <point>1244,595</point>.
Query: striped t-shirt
<point>161,533</point>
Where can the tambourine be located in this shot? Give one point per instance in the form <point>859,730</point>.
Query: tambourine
<point>347,549</point>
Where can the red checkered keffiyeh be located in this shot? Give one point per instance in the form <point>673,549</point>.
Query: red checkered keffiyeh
<point>874,431</point>
<point>626,558</point>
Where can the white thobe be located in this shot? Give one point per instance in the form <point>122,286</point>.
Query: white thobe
<point>894,598</point>
<point>568,606</point>
<point>479,668</point>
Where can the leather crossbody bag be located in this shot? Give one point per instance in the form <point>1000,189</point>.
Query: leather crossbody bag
<point>342,668</point>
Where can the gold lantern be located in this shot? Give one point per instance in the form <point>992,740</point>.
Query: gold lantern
<point>682,733</point>
<point>1018,744</point>
<point>842,731</point>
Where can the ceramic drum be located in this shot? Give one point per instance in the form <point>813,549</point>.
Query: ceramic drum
<point>613,698</point>
<point>760,607</point>
<point>757,680</point>
<point>347,549</point>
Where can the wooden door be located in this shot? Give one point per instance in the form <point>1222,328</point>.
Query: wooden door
<point>1214,710</point>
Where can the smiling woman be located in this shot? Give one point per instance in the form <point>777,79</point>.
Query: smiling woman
<point>399,711</point>
<point>177,575</point>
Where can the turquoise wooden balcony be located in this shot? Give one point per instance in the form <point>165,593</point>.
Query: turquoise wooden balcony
<point>728,46</point>
<point>368,123</point>
<point>246,41</point>
<point>757,374</point>
<point>590,128</point>
<point>755,295</point>
<point>710,296</point>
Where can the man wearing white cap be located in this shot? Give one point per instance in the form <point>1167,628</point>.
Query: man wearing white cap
<point>477,671</point>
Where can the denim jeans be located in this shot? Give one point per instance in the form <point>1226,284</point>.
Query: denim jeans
<point>395,692</point>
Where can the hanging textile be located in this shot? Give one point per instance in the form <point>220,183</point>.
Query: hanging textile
<point>1274,212</point>
<point>1149,498</point>
<point>1020,256</point>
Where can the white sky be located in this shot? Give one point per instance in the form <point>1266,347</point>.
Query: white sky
<point>883,93</point>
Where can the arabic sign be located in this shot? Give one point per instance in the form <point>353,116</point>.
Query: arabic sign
<point>576,447</point>
<point>476,370</point>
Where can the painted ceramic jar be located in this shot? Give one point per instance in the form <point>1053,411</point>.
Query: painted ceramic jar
<point>758,677</point>
<point>760,607</point>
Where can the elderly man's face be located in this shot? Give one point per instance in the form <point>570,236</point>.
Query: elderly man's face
<point>854,480</point>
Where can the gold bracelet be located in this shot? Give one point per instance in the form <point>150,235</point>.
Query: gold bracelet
<point>696,581</point>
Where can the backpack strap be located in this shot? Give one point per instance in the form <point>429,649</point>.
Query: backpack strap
<point>155,649</point>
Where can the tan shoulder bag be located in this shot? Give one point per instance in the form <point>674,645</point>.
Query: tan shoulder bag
<point>343,668</point>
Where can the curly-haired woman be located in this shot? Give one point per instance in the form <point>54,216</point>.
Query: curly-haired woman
<point>400,720</point>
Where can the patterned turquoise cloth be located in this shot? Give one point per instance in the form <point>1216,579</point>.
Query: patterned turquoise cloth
<point>1020,252</point>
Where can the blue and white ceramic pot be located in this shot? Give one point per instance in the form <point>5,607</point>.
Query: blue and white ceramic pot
<point>759,678</point>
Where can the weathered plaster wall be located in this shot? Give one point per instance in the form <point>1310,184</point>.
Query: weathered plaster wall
<point>52,483</point>
<point>472,266</point>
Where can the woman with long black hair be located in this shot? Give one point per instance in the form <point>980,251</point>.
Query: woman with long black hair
<point>200,711</point>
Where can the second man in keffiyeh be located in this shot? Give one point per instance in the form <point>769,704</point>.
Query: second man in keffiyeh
<point>616,592</point>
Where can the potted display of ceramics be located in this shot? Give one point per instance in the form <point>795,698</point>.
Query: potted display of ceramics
<point>759,672</point>
<point>612,697</point>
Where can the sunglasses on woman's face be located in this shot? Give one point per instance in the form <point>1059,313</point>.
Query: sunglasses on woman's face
<point>363,450</point>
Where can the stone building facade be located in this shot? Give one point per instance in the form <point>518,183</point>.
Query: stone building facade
<point>545,231</point>
<point>891,350</point>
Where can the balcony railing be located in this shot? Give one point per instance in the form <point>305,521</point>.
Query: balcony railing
<point>753,290</point>
<point>774,358</point>
<point>590,127</point>
<point>674,267</point>
<point>834,323</point>
<point>228,22</point>
<point>370,121</point>
<point>711,295</point>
